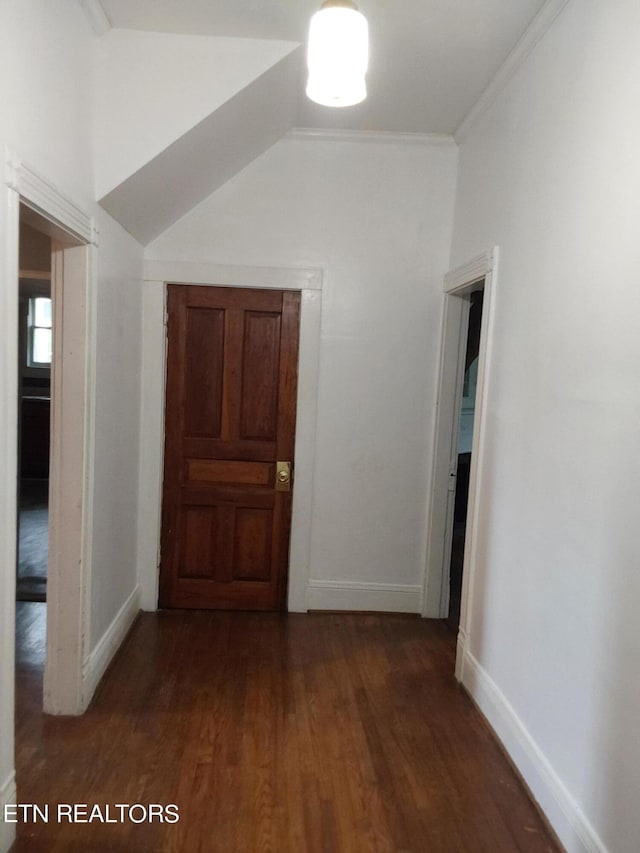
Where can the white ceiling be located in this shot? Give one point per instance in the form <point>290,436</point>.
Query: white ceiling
<point>430,59</point>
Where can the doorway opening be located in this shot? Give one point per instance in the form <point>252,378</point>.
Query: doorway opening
<point>231,396</point>
<point>464,454</point>
<point>459,446</point>
<point>26,197</point>
<point>35,352</point>
<point>308,282</point>
<point>51,466</point>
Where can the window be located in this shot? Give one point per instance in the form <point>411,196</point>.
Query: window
<point>40,338</point>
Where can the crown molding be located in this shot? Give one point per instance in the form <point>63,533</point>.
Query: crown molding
<point>97,17</point>
<point>477,268</point>
<point>532,35</point>
<point>43,197</point>
<point>379,137</point>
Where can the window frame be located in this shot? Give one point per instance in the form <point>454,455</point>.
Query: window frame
<point>32,326</point>
<point>31,287</point>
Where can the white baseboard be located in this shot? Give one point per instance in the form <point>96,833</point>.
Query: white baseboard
<point>354,595</point>
<point>7,795</point>
<point>562,811</point>
<point>97,662</point>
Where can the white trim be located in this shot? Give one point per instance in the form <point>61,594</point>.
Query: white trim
<point>459,282</point>
<point>42,196</point>
<point>90,420</point>
<point>309,282</point>
<point>432,140</point>
<point>305,453</point>
<point>71,479</point>
<point>97,17</point>
<point>152,399</point>
<point>95,665</point>
<point>477,469</point>
<point>565,815</point>
<point>8,796</point>
<point>532,35</point>
<point>9,218</point>
<point>453,343</point>
<point>470,273</point>
<point>68,610</point>
<point>234,275</point>
<point>354,595</point>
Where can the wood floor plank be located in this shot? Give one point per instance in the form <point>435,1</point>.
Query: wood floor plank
<point>273,733</point>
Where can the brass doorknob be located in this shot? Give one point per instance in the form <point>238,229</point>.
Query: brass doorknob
<point>283,476</point>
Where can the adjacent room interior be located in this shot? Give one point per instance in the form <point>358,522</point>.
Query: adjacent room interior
<point>35,351</point>
<point>465,423</point>
<point>35,339</point>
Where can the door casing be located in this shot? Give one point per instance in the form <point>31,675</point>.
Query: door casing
<point>73,277</point>
<point>154,353</point>
<point>67,614</point>
<point>459,283</point>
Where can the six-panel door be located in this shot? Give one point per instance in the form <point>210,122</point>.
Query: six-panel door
<point>230,417</point>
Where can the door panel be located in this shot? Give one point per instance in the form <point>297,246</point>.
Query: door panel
<point>230,415</point>
<point>261,369</point>
<point>222,471</point>
<point>252,543</point>
<point>199,542</point>
<point>203,354</point>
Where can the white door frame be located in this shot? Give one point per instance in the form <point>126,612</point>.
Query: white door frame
<point>72,429</point>
<point>459,283</point>
<point>154,354</point>
<point>455,323</point>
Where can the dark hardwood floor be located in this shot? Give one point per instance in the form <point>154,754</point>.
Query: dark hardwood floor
<point>455,575</point>
<point>33,540</point>
<point>274,733</point>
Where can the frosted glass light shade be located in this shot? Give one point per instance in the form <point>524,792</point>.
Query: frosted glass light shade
<point>337,56</point>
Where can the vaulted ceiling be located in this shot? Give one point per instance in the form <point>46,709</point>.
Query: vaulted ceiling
<point>430,59</point>
<point>191,91</point>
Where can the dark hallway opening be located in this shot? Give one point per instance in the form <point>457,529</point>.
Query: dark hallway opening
<point>35,341</point>
<point>465,438</point>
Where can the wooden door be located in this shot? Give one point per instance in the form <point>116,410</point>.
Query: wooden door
<point>230,417</point>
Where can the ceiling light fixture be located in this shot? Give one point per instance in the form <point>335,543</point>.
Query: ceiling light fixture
<point>338,55</point>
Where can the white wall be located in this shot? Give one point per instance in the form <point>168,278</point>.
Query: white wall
<point>119,309</point>
<point>45,91</point>
<point>46,77</point>
<point>551,174</point>
<point>377,217</point>
<point>154,87</point>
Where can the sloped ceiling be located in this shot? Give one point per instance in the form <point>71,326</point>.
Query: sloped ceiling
<point>177,116</point>
<point>429,61</point>
<point>154,87</point>
<point>208,155</point>
<point>191,91</point>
